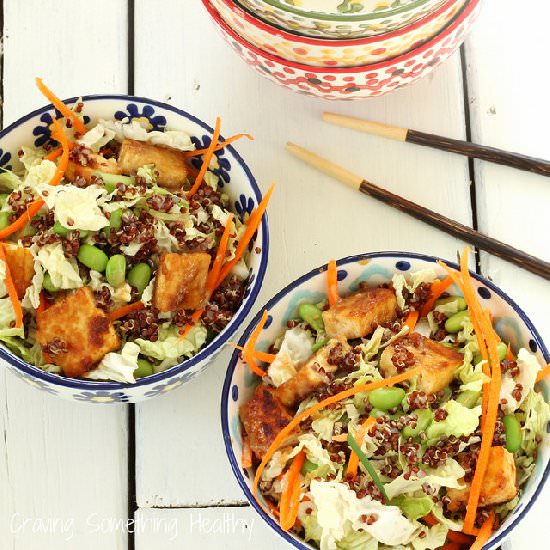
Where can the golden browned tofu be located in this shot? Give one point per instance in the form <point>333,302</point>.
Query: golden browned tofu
<point>181,281</point>
<point>75,334</point>
<point>438,362</point>
<point>263,417</point>
<point>499,483</point>
<point>21,264</point>
<point>312,375</point>
<point>359,314</point>
<point>169,163</point>
<point>96,163</point>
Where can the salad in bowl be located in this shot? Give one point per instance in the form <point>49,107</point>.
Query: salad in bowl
<point>389,402</point>
<point>123,250</point>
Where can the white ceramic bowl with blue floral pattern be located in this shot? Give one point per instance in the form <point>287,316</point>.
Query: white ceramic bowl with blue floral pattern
<point>236,180</point>
<point>376,268</point>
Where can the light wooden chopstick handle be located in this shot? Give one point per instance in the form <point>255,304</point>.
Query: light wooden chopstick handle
<point>338,172</point>
<point>374,128</point>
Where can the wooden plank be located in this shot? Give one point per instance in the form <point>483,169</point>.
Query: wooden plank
<point>63,465</point>
<point>510,110</point>
<point>311,218</point>
<point>204,528</point>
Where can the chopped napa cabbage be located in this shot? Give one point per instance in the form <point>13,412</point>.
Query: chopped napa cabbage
<point>29,350</point>
<point>460,421</point>
<point>449,308</point>
<point>166,242</point>
<point>31,156</point>
<point>119,367</point>
<point>97,137</point>
<point>7,319</point>
<point>296,347</point>
<point>147,294</point>
<point>471,375</point>
<point>64,273</point>
<point>447,475</point>
<point>276,465</point>
<point>171,347</point>
<point>414,507</point>
<point>452,525</point>
<point>131,249</point>
<point>220,215</point>
<point>8,180</point>
<point>40,174</point>
<point>3,289</point>
<point>31,300</point>
<point>147,173</point>
<point>537,416</point>
<point>75,207</point>
<point>324,425</point>
<point>312,529</point>
<point>529,367</point>
<point>315,453</point>
<point>415,280</point>
<point>339,512</point>
<point>356,540</point>
<point>430,538</point>
<point>211,179</point>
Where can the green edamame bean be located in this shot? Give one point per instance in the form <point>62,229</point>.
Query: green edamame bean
<point>377,413</point>
<point>468,398</point>
<point>424,419</point>
<point>460,301</point>
<point>115,272</point>
<point>83,233</point>
<point>512,429</point>
<point>4,219</point>
<point>455,323</point>
<point>312,315</point>
<point>3,198</point>
<point>60,229</point>
<point>48,284</point>
<point>386,398</point>
<point>139,276</point>
<point>318,345</point>
<point>308,467</point>
<point>93,257</point>
<point>115,220</point>
<point>502,349</point>
<point>144,368</point>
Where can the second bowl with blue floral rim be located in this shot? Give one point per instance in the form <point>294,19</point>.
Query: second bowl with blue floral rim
<point>235,178</point>
<point>375,268</point>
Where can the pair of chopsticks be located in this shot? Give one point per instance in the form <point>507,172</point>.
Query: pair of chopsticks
<point>476,238</point>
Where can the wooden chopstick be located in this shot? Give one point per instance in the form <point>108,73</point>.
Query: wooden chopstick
<point>490,154</point>
<point>480,240</point>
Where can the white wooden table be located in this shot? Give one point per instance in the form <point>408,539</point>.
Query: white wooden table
<point>72,474</point>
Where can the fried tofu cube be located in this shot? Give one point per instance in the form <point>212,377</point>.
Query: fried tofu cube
<point>181,281</point>
<point>263,417</point>
<point>312,376</point>
<point>96,163</point>
<point>75,333</point>
<point>169,162</point>
<point>360,313</point>
<point>21,264</point>
<point>437,361</point>
<point>499,484</point>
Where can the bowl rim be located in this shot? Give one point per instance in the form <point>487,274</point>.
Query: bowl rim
<point>228,382</point>
<point>214,345</point>
<point>327,42</point>
<point>337,17</point>
<point>463,14</point>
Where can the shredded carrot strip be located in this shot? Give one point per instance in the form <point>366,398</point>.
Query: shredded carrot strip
<point>207,158</point>
<point>295,422</point>
<point>437,289</point>
<point>488,430</point>
<point>214,274</point>
<point>290,497</point>
<point>247,454</point>
<point>251,227</point>
<point>126,310</point>
<point>262,356</point>
<point>509,353</point>
<point>219,146</point>
<point>461,538</point>
<point>12,292</point>
<point>194,318</point>
<point>342,438</point>
<point>484,533</point>
<point>248,351</point>
<point>430,520</point>
<point>332,282</point>
<point>22,220</point>
<point>64,160</point>
<point>543,373</point>
<point>61,107</point>
<point>412,319</point>
<point>52,155</point>
<point>353,463</point>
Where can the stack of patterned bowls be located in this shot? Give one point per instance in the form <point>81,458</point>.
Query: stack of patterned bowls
<point>343,49</point>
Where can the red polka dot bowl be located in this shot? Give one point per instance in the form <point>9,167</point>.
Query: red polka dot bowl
<point>322,52</point>
<point>349,83</point>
